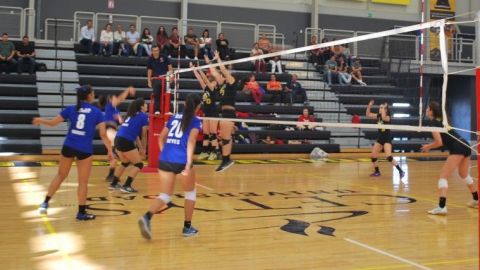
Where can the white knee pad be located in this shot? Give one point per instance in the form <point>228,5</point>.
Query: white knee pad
<point>111,133</point>
<point>164,197</point>
<point>191,195</point>
<point>442,183</point>
<point>468,180</point>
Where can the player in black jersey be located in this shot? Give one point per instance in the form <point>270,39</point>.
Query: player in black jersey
<point>209,108</point>
<point>384,140</point>
<point>458,158</point>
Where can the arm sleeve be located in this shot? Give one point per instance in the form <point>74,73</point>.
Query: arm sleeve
<point>65,113</point>
<point>100,117</point>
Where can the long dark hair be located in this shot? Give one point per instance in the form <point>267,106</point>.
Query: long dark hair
<point>387,108</point>
<point>436,109</point>
<point>144,34</point>
<point>103,100</point>
<point>162,33</point>
<point>135,107</point>
<point>82,94</point>
<point>191,103</point>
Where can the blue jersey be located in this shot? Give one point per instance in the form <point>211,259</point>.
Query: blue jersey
<point>175,148</point>
<point>111,113</point>
<point>132,127</point>
<point>82,124</point>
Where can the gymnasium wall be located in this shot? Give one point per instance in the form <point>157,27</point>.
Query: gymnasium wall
<point>461,103</point>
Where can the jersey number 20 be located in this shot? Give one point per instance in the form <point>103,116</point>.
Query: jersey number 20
<point>175,130</point>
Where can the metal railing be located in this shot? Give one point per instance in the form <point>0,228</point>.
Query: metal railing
<point>79,18</point>
<point>243,35</point>
<point>269,30</point>
<point>64,29</point>
<point>13,21</point>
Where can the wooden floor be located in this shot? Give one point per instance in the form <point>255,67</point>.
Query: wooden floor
<point>263,216</point>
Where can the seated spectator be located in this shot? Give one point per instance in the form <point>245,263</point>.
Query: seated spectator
<point>87,36</point>
<point>162,41</point>
<point>326,53</point>
<point>205,43</point>
<point>7,52</point>
<point>347,54</point>
<point>119,39</point>
<point>132,46</point>
<point>26,56</point>
<point>274,88</point>
<point>106,41</point>
<point>357,72</point>
<point>191,44</point>
<point>264,44</point>
<point>276,64</point>
<point>259,63</point>
<point>331,70</point>
<point>222,47</point>
<point>146,42</point>
<point>296,90</point>
<point>174,43</point>
<point>344,77</point>
<point>314,54</point>
<point>252,87</point>
<point>270,140</point>
<point>337,49</point>
<point>304,119</point>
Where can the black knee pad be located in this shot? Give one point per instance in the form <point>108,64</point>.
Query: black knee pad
<point>374,159</point>
<point>390,158</point>
<point>211,137</point>
<point>125,164</point>
<point>226,142</point>
<point>139,165</point>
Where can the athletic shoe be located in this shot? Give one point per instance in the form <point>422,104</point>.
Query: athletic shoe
<point>402,174</point>
<point>473,204</point>
<point>438,211</point>
<point>114,187</point>
<point>376,174</point>
<point>212,156</point>
<point>109,178</point>
<point>144,225</point>
<point>128,189</point>
<point>43,208</point>
<point>203,156</point>
<point>85,216</point>
<point>225,165</point>
<point>190,231</point>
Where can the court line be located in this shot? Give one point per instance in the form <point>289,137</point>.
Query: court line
<point>387,254</point>
<point>205,187</point>
<point>434,263</point>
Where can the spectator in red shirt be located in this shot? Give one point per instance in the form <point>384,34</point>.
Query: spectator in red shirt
<point>162,40</point>
<point>305,118</point>
<point>174,41</point>
<point>274,88</point>
<point>252,87</point>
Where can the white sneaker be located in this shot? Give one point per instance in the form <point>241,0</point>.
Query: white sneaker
<point>203,156</point>
<point>438,211</point>
<point>196,58</point>
<point>213,156</point>
<point>473,204</point>
<point>186,57</point>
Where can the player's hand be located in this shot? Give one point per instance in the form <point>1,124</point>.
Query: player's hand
<point>132,90</point>
<point>216,55</point>
<point>143,153</point>
<point>37,121</point>
<point>425,148</point>
<point>371,102</point>
<point>187,170</point>
<point>207,60</point>
<point>110,154</point>
<point>149,83</point>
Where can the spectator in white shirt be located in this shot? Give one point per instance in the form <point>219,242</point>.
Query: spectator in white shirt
<point>206,44</point>
<point>87,36</point>
<point>147,41</point>
<point>119,39</point>
<point>106,41</point>
<point>133,42</point>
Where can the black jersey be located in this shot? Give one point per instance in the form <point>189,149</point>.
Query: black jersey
<point>209,99</point>
<point>384,135</point>
<point>453,145</point>
<point>228,92</point>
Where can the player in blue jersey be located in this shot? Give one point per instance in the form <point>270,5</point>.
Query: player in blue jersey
<point>109,104</point>
<point>83,118</point>
<point>134,127</point>
<point>177,144</point>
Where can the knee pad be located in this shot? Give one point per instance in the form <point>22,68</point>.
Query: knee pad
<point>211,137</point>
<point>226,142</point>
<point>139,165</point>
<point>125,164</point>
<point>191,195</point>
<point>442,183</point>
<point>468,180</point>
<point>164,197</point>
<point>390,158</point>
<point>374,159</point>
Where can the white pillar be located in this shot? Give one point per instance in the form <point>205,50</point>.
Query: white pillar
<point>314,14</point>
<point>183,17</point>
<point>30,19</point>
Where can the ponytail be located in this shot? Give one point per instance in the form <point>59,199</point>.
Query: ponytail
<point>135,107</point>
<point>436,109</point>
<point>191,103</point>
<point>82,94</point>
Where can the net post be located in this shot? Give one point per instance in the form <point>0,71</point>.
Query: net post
<point>477,109</point>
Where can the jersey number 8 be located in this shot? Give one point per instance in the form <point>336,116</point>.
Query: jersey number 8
<point>80,121</point>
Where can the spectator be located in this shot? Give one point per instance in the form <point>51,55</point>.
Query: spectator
<point>347,54</point>
<point>7,51</point>
<point>87,36</point>
<point>26,56</point>
<point>158,65</point>
<point>205,43</point>
<point>146,42</point>
<point>162,41</point>
<point>326,52</point>
<point>106,41</point>
<point>274,88</point>
<point>270,140</point>
<point>314,54</point>
<point>191,44</point>
<point>174,41</point>
<point>344,78</point>
<point>276,64</point>
<point>222,47</point>
<point>132,46</point>
<point>264,44</point>
<point>252,87</point>
<point>119,39</point>
<point>331,70</point>
<point>305,118</point>
<point>296,89</point>
<point>259,63</point>
<point>357,72</point>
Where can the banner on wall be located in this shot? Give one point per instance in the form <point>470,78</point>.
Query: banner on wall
<point>441,9</point>
<point>393,2</point>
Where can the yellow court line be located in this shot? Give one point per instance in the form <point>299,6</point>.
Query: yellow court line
<point>434,263</point>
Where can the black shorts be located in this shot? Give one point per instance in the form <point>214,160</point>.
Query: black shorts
<point>229,113</point>
<point>166,166</point>
<point>382,140</point>
<point>460,149</point>
<point>124,145</point>
<point>72,153</point>
<point>210,112</point>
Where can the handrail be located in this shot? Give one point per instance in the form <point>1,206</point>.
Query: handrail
<point>110,19</point>
<point>181,21</point>
<point>47,20</point>
<point>76,20</point>
<point>21,24</point>
<point>267,26</point>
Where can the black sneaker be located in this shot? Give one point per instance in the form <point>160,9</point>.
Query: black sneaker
<point>85,216</point>
<point>128,189</point>
<point>109,178</point>
<point>114,187</point>
<point>225,165</point>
